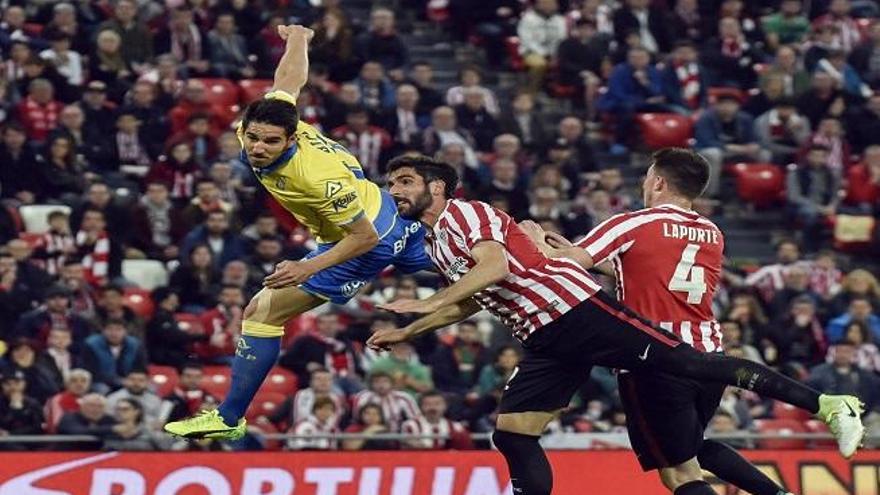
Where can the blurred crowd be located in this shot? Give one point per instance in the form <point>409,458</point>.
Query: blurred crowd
<point>118,147</point>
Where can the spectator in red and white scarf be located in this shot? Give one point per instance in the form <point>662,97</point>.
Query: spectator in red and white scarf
<point>56,244</point>
<point>94,246</point>
<point>730,56</point>
<point>770,278</point>
<point>322,348</point>
<point>39,111</point>
<point>183,39</point>
<point>221,325</point>
<point>367,142</point>
<point>432,421</point>
<point>863,182</point>
<point>75,387</point>
<point>188,397</point>
<point>847,34</point>
<point>782,131</point>
<point>830,134</point>
<point>825,277</point>
<point>397,405</point>
<point>178,172</point>
<point>684,78</point>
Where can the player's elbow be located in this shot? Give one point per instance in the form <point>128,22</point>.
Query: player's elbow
<point>369,239</point>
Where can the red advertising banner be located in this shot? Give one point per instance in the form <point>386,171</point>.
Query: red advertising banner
<point>390,473</point>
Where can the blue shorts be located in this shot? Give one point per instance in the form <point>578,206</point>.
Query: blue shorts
<point>401,243</point>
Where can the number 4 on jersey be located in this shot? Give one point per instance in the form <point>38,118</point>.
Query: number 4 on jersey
<point>687,277</point>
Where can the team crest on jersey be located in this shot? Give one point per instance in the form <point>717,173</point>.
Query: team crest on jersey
<point>333,187</point>
<point>281,182</point>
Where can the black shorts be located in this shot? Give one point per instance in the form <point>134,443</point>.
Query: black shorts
<point>666,415</point>
<point>558,357</point>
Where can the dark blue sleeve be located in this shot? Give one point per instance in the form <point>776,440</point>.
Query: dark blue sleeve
<point>414,258</point>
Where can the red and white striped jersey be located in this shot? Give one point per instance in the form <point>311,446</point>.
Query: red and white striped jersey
<point>455,436</point>
<point>668,263</point>
<point>304,401</point>
<point>311,426</point>
<point>537,291</point>
<point>397,406</point>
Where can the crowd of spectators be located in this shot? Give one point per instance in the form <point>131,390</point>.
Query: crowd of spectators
<point>107,110</point>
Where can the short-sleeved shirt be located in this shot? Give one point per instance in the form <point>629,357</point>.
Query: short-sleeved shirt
<point>319,182</point>
<point>668,264</point>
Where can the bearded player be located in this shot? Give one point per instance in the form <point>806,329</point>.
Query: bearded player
<point>564,321</point>
<point>667,262</point>
<point>356,225</point>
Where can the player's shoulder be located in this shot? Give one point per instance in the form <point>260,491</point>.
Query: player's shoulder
<point>473,209</point>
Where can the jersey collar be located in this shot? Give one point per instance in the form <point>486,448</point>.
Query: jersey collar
<point>429,229</point>
<point>272,167</point>
<point>676,207</point>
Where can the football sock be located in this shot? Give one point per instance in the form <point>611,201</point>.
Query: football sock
<point>254,357</point>
<point>530,472</point>
<point>726,463</point>
<point>697,487</point>
<point>741,373</point>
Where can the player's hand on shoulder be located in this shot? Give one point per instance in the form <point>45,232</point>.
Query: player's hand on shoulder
<point>295,30</point>
<point>288,273</point>
<point>557,241</point>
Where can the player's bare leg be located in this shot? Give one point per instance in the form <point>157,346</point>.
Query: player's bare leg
<point>256,353</point>
<point>516,436</point>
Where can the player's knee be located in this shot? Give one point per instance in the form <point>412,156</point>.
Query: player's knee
<point>525,423</point>
<point>676,476</point>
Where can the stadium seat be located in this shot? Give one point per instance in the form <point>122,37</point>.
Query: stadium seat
<point>266,428</point>
<point>437,11</point>
<point>781,410</point>
<point>264,404</point>
<point>32,239</point>
<point>817,426</point>
<point>662,130</point>
<point>221,91</point>
<point>511,43</point>
<point>36,217</point>
<point>189,323</point>
<point>146,274</point>
<point>761,184</point>
<point>216,380</point>
<point>781,427</point>
<point>139,301</point>
<point>253,89</point>
<point>280,381</point>
<point>163,378</point>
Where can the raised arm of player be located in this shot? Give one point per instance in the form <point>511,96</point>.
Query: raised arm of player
<point>447,315</point>
<point>293,68</point>
<point>490,268</point>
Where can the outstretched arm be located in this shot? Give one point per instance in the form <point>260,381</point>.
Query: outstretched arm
<point>293,68</point>
<point>447,315</point>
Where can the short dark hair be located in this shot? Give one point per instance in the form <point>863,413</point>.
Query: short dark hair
<point>685,170</point>
<point>429,170</point>
<point>428,394</point>
<point>191,365</point>
<point>272,111</point>
<point>322,402</point>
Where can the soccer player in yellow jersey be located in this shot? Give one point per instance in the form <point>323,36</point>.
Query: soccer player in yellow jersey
<point>323,186</point>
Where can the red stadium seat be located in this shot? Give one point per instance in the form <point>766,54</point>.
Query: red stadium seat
<point>253,89</point>
<point>715,92</point>
<point>139,301</point>
<point>662,130</point>
<point>190,323</point>
<point>216,380</point>
<point>280,381</point>
<point>267,428</point>
<point>817,426</point>
<point>163,378</point>
<point>437,11</point>
<point>781,427</point>
<point>761,184</point>
<point>264,404</point>
<point>221,91</point>
<point>516,60</point>
<point>33,239</point>
<point>781,410</point>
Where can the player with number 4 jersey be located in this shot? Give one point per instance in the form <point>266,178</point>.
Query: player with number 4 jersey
<point>667,262</point>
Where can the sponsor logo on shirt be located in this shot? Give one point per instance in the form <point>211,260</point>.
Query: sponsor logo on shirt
<point>343,202</point>
<point>333,187</point>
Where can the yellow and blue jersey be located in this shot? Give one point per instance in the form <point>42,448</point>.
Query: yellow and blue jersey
<point>319,182</point>
<point>324,187</point>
